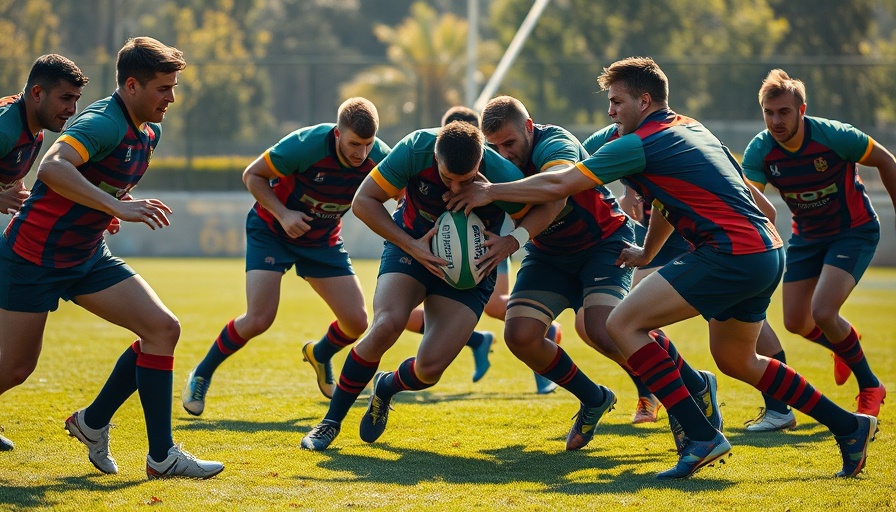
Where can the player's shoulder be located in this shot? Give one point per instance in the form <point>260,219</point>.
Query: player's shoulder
<point>830,127</point>
<point>101,119</point>
<point>599,138</point>
<point>420,140</point>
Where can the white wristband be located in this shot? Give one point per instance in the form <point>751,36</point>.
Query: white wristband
<point>521,235</point>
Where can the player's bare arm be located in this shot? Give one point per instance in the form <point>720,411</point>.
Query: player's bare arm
<point>368,206</point>
<point>658,231</point>
<point>12,198</point>
<point>257,178</point>
<point>631,204</point>
<point>540,188</point>
<point>881,158</point>
<point>768,209</point>
<point>58,170</point>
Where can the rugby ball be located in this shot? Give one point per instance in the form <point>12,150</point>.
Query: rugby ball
<point>458,240</point>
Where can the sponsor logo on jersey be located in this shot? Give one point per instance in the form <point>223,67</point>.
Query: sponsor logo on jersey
<point>812,198</point>
<point>322,206</point>
<point>19,157</point>
<point>127,156</point>
<point>405,260</point>
<point>821,164</point>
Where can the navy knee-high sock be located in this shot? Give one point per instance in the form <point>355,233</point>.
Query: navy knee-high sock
<point>355,375</point>
<point>120,385</point>
<point>154,384</point>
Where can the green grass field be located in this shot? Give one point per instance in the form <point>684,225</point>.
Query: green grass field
<point>494,445</point>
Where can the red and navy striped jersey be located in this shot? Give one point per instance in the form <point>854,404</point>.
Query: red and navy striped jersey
<point>18,146</point>
<point>588,216</point>
<point>412,166</point>
<point>313,181</point>
<point>53,231</point>
<point>682,168</point>
<point>819,182</point>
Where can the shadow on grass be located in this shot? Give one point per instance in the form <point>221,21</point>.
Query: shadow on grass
<point>46,496</point>
<point>565,472</point>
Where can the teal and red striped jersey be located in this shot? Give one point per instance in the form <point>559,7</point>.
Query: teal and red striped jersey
<point>819,182</point>
<point>588,216</point>
<point>313,181</point>
<point>412,166</point>
<point>53,231</point>
<point>678,165</point>
<point>18,146</point>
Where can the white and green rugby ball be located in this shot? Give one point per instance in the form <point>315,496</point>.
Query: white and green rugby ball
<point>458,240</point>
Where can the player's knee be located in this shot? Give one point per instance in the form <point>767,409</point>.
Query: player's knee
<point>518,337</point>
<point>797,325</point>
<point>16,376</point>
<point>825,314</point>
<point>254,325</point>
<point>355,326</point>
<point>428,371</point>
<point>388,326</point>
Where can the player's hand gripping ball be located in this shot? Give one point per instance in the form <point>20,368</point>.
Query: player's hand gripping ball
<point>458,240</point>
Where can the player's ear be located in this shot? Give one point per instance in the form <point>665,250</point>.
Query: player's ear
<point>336,132</point>
<point>35,91</point>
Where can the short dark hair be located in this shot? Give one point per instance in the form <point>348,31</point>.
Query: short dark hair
<point>358,115</point>
<point>638,75</point>
<point>144,57</point>
<point>459,147</point>
<point>48,70</point>
<point>502,110</point>
<point>461,113</point>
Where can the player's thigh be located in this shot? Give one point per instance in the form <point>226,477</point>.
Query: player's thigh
<point>733,346</point>
<point>797,305</point>
<point>263,293</point>
<point>21,339</point>
<point>449,325</point>
<point>832,289</point>
<point>344,297</point>
<point>134,305</point>
<point>654,303</point>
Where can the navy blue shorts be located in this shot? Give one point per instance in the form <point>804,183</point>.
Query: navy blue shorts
<point>726,286</point>
<point>851,251</point>
<point>396,260</point>
<point>31,288</point>
<point>548,283</point>
<point>266,250</point>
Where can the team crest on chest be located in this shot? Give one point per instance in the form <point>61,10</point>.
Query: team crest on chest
<point>821,164</point>
<point>423,188</point>
<point>319,178</point>
<point>127,156</point>
<point>773,169</point>
<point>19,156</point>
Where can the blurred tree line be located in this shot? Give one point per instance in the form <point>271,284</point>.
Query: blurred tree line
<point>260,68</point>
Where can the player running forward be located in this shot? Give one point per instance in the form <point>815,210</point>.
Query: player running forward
<point>691,178</point>
<point>573,262</point>
<point>427,164</point>
<point>303,186</point>
<point>50,98</point>
<point>812,163</point>
<point>54,249</point>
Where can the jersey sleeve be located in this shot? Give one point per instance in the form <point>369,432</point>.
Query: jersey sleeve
<point>298,151</point>
<point>558,148</point>
<point>396,168</point>
<point>847,141</point>
<point>499,170</point>
<point>753,164</point>
<point>615,160</point>
<point>599,138</point>
<point>93,135</point>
